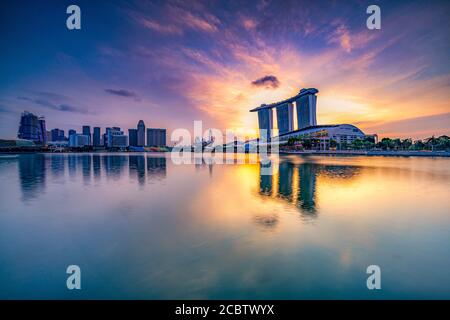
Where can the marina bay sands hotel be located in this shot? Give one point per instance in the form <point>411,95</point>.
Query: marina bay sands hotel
<point>306,104</point>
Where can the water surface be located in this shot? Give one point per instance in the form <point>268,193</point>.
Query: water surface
<point>142,227</point>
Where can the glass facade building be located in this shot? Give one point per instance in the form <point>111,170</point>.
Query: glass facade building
<point>32,128</point>
<point>57,135</point>
<point>140,134</point>
<point>306,111</point>
<point>133,137</point>
<point>96,137</point>
<point>265,120</point>
<point>156,137</point>
<point>87,132</point>
<point>285,115</point>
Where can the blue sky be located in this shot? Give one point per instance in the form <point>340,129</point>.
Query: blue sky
<point>173,62</point>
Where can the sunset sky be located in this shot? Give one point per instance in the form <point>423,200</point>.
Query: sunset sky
<point>173,62</point>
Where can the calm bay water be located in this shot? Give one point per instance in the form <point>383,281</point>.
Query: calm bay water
<point>142,227</point>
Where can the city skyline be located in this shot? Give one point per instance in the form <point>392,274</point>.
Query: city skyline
<point>174,63</point>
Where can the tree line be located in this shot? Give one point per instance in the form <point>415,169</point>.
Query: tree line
<point>368,143</point>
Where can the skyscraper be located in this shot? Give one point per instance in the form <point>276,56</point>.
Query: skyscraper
<point>140,134</point>
<point>306,108</point>
<point>87,132</point>
<point>116,138</point>
<point>43,129</point>
<point>57,134</point>
<point>96,137</point>
<point>71,132</point>
<point>156,137</point>
<point>133,137</point>
<point>305,102</point>
<point>105,137</point>
<point>265,120</point>
<point>32,128</point>
<point>285,118</point>
<point>78,140</point>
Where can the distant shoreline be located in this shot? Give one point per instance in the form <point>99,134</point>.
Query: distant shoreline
<point>304,152</point>
<point>370,153</point>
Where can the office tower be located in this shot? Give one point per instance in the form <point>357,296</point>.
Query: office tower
<point>71,132</point>
<point>43,129</point>
<point>78,140</point>
<point>156,137</point>
<point>87,132</point>
<point>96,137</point>
<point>133,137</point>
<point>57,135</point>
<point>306,108</point>
<point>285,117</point>
<point>116,138</point>
<point>105,137</point>
<point>32,128</point>
<point>140,133</point>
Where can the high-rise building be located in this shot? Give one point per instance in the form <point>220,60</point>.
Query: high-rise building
<point>78,140</point>
<point>306,108</point>
<point>285,117</point>
<point>32,128</point>
<point>71,132</point>
<point>116,138</point>
<point>105,137</point>
<point>87,132</point>
<point>43,129</point>
<point>156,137</point>
<point>140,134</point>
<point>57,135</point>
<point>96,137</point>
<point>133,137</point>
<point>265,120</point>
<point>305,102</point>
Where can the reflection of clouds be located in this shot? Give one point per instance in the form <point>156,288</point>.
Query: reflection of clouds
<point>339,172</point>
<point>267,222</point>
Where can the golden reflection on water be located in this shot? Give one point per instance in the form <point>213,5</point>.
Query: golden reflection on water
<point>362,190</point>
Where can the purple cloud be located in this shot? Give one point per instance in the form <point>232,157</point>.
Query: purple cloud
<point>268,82</point>
<point>123,93</point>
<point>52,105</point>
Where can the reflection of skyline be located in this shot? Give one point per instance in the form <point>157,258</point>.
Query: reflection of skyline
<point>296,183</point>
<point>32,174</point>
<point>33,169</point>
<point>137,167</point>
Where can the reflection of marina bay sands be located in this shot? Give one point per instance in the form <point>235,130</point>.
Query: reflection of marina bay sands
<point>305,107</point>
<point>297,183</point>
